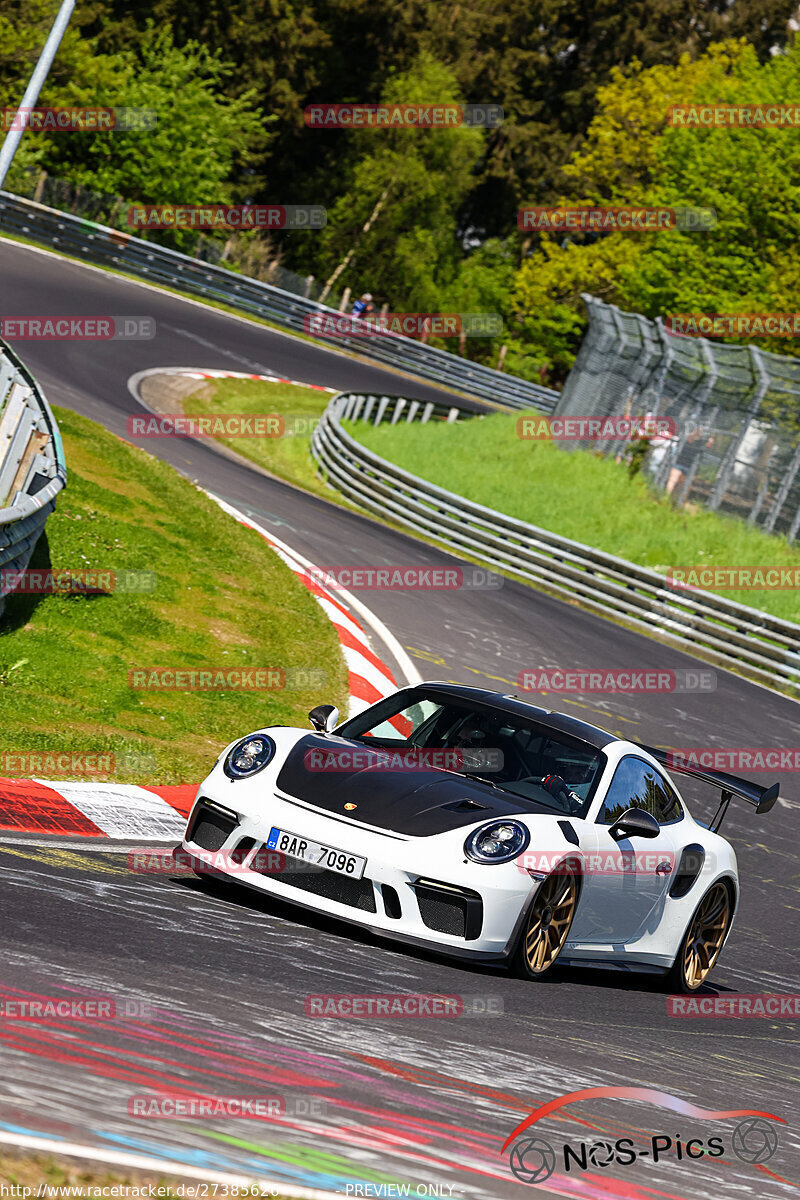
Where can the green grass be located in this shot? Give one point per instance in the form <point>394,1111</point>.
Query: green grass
<point>580,496</point>
<point>288,456</point>
<point>222,599</point>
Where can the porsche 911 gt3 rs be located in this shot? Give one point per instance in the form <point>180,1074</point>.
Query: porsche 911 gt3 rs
<point>480,825</point>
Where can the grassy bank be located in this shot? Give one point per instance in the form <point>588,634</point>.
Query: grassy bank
<point>220,600</point>
<point>288,455</point>
<point>580,496</point>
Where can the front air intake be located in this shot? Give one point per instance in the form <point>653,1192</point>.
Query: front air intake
<point>210,828</point>
<point>449,909</point>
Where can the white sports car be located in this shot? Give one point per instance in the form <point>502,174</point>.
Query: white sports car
<point>480,825</point>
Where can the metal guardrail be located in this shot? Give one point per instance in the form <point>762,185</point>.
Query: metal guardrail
<point>103,246</point>
<point>755,643</point>
<point>32,466</point>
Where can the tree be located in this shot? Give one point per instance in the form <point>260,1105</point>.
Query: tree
<point>542,60</point>
<point>24,26</point>
<point>188,157</point>
<point>417,180</point>
<point>748,263</point>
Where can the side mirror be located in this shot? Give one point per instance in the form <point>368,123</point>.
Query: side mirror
<point>324,718</point>
<point>635,822</point>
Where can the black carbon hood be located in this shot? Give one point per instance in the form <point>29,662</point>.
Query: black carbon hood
<point>418,803</point>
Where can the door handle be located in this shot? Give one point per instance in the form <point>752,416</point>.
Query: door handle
<point>663,868</point>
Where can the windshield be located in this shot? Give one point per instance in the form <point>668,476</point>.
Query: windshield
<point>506,751</point>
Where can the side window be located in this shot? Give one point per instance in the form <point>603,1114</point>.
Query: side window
<point>638,785</point>
<point>669,806</point>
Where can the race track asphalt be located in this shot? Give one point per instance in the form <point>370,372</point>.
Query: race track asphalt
<point>428,1101</point>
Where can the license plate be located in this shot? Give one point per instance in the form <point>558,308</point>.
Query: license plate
<point>326,857</point>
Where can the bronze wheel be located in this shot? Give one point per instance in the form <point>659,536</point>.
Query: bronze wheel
<point>703,939</point>
<point>549,920</point>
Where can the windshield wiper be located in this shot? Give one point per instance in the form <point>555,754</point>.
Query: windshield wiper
<point>480,779</point>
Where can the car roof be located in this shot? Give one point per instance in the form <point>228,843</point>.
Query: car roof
<point>593,735</point>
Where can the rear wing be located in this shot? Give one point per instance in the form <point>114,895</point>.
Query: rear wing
<point>762,799</point>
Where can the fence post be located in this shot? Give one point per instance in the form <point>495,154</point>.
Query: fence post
<point>783,490</point>
<point>617,447</point>
<point>708,380</point>
<point>729,461</point>
<point>758,503</point>
<point>664,361</point>
<point>795,525</point>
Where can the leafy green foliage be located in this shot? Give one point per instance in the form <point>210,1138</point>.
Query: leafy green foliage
<point>417,180</point>
<point>748,263</point>
<point>584,85</point>
<point>187,158</point>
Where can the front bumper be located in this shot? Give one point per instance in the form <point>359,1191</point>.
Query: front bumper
<point>421,890</point>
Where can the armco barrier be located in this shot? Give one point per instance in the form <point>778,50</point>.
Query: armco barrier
<point>32,467</point>
<point>755,643</point>
<point>108,247</point>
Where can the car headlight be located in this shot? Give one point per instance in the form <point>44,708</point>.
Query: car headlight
<point>497,842</point>
<point>248,756</point>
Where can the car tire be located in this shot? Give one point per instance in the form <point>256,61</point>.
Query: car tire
<point>547,923</point>
<point>703,940</point>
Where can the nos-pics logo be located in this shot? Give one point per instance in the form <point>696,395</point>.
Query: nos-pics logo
<point>533,1159</point>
